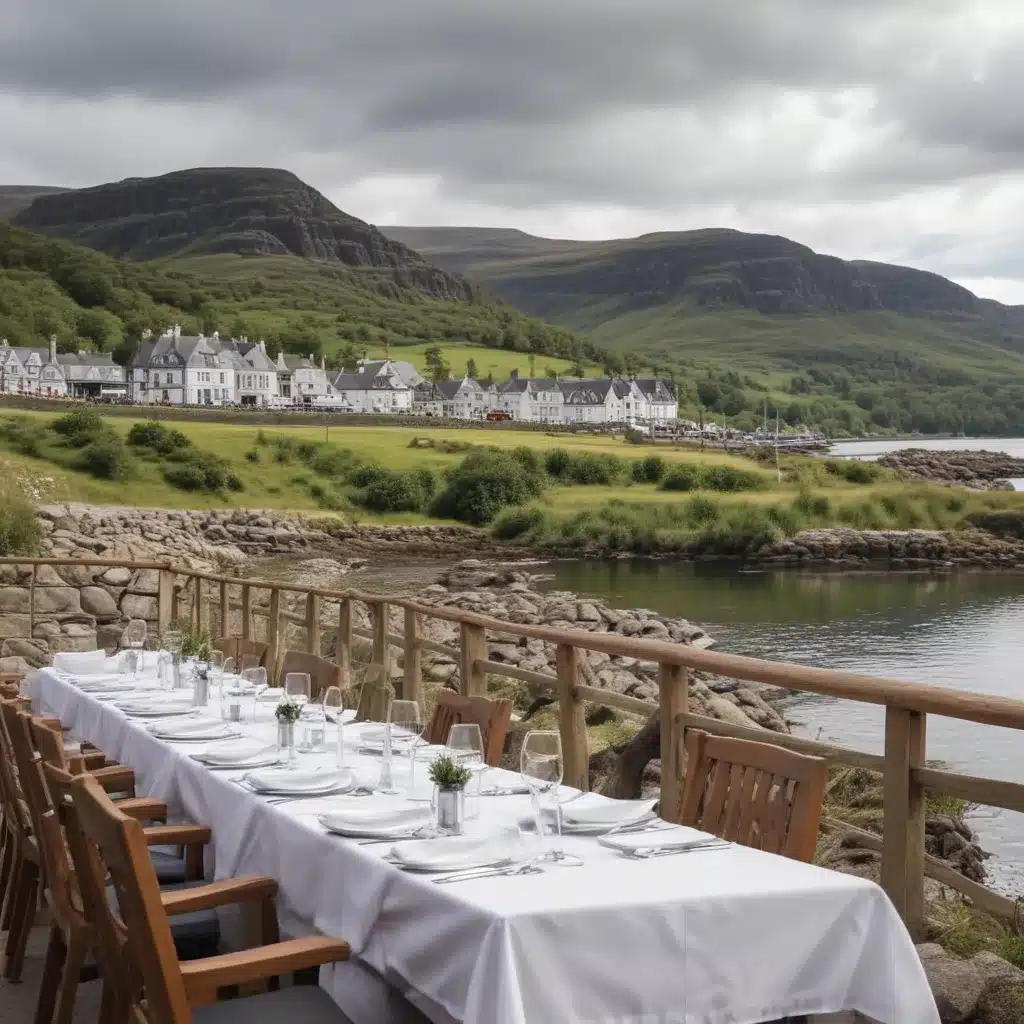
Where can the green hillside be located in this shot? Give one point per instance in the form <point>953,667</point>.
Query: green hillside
<point>745,320</point>
<point>50,286</point>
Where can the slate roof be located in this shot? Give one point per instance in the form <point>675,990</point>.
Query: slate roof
<point>367,380</point>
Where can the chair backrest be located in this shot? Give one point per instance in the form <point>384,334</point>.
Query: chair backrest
<point>17,816</point>
<point>492,715</point>
<point>755,794</point>
<point>61,888</point>
<point>322,673</point>
<point>237,647</point>
<point>375,695</point>
<point>121,846</point>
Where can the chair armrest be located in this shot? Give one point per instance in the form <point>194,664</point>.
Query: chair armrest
<point>93,760</point>
<point>177,835</point>
<point>52,723</point>
<point>251,889</point>
<point>116,779</point>
<point>143,808</point>
<point>203,977</point>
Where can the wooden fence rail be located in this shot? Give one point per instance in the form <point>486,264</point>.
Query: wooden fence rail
<point>905,777</point>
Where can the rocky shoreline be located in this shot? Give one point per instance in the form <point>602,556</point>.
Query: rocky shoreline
<point>977,470</point>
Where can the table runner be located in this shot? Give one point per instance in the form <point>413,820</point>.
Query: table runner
<point>734,935</point>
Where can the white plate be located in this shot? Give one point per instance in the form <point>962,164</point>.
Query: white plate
<point>593,814</point>
<point>629,841</point>
<point>451,853</point>
<point>296,782</point>
<point>374,819</point>
<point>156,710</point>
<point>239,753</point>
<point>199,730</point>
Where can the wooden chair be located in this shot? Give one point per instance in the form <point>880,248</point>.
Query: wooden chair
<point>375,695</point>
<point>22,852</point>
<point>322,673</point>
<point>139,948</point>
<point>237,647</point>
<point>493,717</point>
<point>755,794</point>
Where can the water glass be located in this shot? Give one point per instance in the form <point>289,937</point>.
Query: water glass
<point>333,706</point>
<point>466,744</point>
<point>406,729</point>
<point>297,686</point>
<point>541,766</point>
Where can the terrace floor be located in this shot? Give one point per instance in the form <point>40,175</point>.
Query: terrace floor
<point>18,1002</point>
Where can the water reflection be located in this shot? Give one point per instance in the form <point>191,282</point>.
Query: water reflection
<point>964,630</point>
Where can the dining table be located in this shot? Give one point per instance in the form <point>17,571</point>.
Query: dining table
<point>719,934</point>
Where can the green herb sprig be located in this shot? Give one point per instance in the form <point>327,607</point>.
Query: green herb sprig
<point>447,773</point>
<point>287,710</point>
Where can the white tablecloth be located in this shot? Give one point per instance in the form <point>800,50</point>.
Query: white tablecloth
<point>731,936</point>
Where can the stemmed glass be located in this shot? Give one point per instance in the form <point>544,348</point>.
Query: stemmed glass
<point>406,729</point>
<point>541,768</point>
<point>134,638</point>
<point>466,743</point>
<point>255,680</point>
<point>333,706</point>
<point>297,686</point>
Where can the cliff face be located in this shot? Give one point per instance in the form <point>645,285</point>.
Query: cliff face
<point>712,268</point>
<point>248,211</point>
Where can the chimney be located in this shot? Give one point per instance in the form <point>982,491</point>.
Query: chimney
<point>514,375</point>
<point>53,348</point>
<point>323,364</point>
<point>312,358</point>
<point>263,346</point>
<point>281,364</point>
<point>4,343</point>
<point>216,335</point>
<point>177,330</point>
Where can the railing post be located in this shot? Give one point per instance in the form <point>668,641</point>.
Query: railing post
<point>412,661</point>
<point>674,685</point>
<point>203,599</point>
<point>32,603</point>
<point>472,648</point>
<point>903,815</point>
<point>225,609</point>
<point>571,721</point>
<point>379,615</point>
<point>343,641</point>
<point>313,624</point>
<point>175,600</point>
<point>246,612</point>
<point>273,627</point>
<point>165,600</point>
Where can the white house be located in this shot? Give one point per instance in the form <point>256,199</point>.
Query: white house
<point>299,380</point>
<point>92,375</point>
<point>376,387</point>
<point>464,399</point>
<point>31,371</point>
<point>256,380</point>
<point>177,370</point>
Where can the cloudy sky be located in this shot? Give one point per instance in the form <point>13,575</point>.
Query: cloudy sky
<point>882,129</point>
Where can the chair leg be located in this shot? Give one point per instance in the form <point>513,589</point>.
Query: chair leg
<point>21,922</point>
<point>55,956</point>
<point>109,1012</point>
<point>73,962</point>
<point>10,896</point>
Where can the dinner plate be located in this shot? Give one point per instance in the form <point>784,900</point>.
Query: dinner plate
<point>626,842</point>
<point>239,753</point>
<point>593,814</point>
<point>451,853</point>
<point>133,710</point>
<point>375,819</point>
<point>297,782</point>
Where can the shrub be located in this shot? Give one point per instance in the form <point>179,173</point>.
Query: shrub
<point>19,528</point>
<point>364,475</point>
<point>253,456</point>
<point>527,457</point>
<point>201,471</point>
<point>484,483</point>
<point>161,439</point>
<point>234,482</point>
<point>730,478</point>
<point>701,511</point>
<point>634,436</point>
<point>24,436</point>
<point>853,471</point>
<point>556,462</point>
<point>186,477</point>
<point>80,426</point>
<point>261,438</point>
<point>683,476</point>
<point>586,468</point>
<point>511,523</point>
<point>396,491</point>
<point>307,450</point>
<point>106,458</point>
<point>649,470</point>
<point>333,462</point>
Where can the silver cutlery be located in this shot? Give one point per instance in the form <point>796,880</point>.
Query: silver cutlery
<point>507,791</point>
<point>647,852</point>
<point>493,872</point>
<point>420,833</point>
<point>358,791</point>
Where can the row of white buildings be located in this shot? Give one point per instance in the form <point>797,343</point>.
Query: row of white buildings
<point>47,372</point>
<point>174,369</point>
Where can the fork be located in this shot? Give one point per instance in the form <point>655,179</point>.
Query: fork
<point>646,852</point>
<point>528,868</point>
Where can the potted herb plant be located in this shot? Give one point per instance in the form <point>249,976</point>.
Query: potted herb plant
<point>448,801</point>
<point>287,714</point>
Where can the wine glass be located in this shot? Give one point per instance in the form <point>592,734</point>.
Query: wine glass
<point>297,686</point>
<point>466,743</point>
<point>248,661</point>
<point>172,641</point>
<point>540,765</point>
<point>333,707</point>
<point>406,729</point>
<point>134,639</point>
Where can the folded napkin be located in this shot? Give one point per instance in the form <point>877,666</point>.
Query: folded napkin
<point>237,752</point>
<point>594,809</point>
<point>153,705</point>
<point>106,683</point>
<point>451,853</point>
<point>198,728</point>
<point>377,817</point>
<point>681,834</point>
<point>80,663</point>
<point>272,693</point>
<point>290,780</point>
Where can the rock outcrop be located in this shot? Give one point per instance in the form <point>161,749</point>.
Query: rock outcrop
<point>979,470</point>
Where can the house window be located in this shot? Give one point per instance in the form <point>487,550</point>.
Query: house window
<point>222,378</point>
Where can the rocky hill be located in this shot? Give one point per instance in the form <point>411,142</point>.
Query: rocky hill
<point>14,198</point>
<point>237,210</point>
<point>712,268</point>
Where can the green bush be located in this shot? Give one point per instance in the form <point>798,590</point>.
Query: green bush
<point>202,471</point>
<point>161,439</point>
<point>585,468</point>
<point>396,491</point>
<point>556,462</point>
<point>252,456</point>
<point>511,523</point>
<point>337,462</point>
<point>484,483</point>
<point>80,426</point>
<point>366,474</point>
<point>19,528</point>
<point>186,477</point>
<point>853,471</point>
<point>683,476</point>
<point>731,478</point>
<point>24,436</point>
<point>649,470</point>
<point>106,458</point>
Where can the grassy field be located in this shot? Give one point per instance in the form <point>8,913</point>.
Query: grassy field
<point>495,361</point>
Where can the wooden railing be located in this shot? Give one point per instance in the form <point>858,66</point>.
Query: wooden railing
<point>196,596</point>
